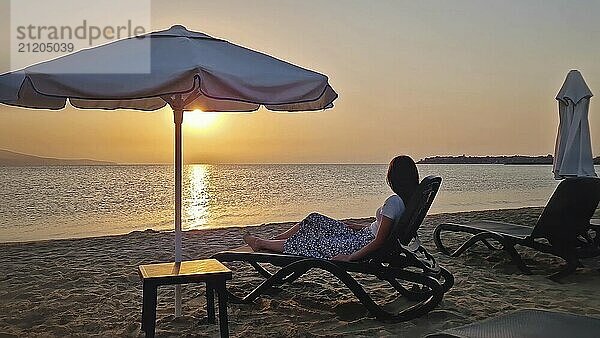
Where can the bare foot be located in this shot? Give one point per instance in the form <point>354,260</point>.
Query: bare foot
<point>252,241</point>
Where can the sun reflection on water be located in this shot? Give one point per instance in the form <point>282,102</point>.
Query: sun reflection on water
<point>197,207</point>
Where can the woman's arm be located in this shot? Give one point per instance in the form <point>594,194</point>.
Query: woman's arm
<point>354,225</point>
<point>382,234</point>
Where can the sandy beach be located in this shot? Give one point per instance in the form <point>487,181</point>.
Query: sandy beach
<point>90,287</point>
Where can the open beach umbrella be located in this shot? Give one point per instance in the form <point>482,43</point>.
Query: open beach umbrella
<point>573,150</point>
<point>187,71</point>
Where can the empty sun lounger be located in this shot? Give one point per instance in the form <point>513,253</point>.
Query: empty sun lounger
<point>563,229</point>
<point>528,323</point>
<point>402,260</point>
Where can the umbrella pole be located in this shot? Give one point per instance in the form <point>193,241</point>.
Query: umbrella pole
<point>178,119</point>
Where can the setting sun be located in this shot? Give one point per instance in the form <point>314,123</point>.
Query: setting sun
<point>198,119</point>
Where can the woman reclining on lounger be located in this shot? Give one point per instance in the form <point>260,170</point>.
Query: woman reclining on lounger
<point>322,237</point>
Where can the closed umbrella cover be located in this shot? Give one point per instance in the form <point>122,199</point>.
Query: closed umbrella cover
<point>573,149</point>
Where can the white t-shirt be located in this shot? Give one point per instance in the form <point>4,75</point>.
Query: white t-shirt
<point>393,208</point>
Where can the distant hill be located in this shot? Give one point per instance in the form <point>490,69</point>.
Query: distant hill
<point>12,159</point>
<point>515,159</point>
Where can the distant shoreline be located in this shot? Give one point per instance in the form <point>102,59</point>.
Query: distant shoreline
<point>14,159</point>
<point>505,160</point>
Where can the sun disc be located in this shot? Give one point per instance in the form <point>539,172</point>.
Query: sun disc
<point>198,119</point>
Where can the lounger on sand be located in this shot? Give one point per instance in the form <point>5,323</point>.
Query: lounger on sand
<point>562,230</point>
<point>528,323</point>
<point>401,261</point>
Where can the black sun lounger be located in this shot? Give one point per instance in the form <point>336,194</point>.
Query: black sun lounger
<point>528,323</point>
<point>401,261</point>
<point>563,229</point>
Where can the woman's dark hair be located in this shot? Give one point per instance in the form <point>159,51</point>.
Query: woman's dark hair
<point>403,177</point>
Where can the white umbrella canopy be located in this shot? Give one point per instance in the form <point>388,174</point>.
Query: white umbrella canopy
<point>187,70</point>
<point>573,149</point>
<point>216,76</point>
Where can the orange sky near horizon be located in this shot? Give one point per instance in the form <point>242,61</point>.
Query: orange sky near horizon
<point>421,78</point>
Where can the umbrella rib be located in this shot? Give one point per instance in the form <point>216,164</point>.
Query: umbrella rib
<point>193,96</point>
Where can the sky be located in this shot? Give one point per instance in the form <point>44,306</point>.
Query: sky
<point>421,78</point>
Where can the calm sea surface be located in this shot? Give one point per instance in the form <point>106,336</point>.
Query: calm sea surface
<point>63,202</point>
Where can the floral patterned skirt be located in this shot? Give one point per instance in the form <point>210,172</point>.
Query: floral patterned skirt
<point>322,237</point>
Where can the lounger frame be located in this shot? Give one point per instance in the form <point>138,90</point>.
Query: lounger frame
<point>563,229</point>
<point>431,286</point>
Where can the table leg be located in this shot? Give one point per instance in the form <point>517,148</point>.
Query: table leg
<point>149,309</point>
<point>144,306</point>
<point>223,321</point>
<point>210,303</point>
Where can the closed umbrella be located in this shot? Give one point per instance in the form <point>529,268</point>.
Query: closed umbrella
<point>187,70</point>
<point>573,150</point>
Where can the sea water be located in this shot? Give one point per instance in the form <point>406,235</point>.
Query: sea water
<point>80,201</point>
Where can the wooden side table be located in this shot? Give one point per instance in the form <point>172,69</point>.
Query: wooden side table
<point>209,271</point>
